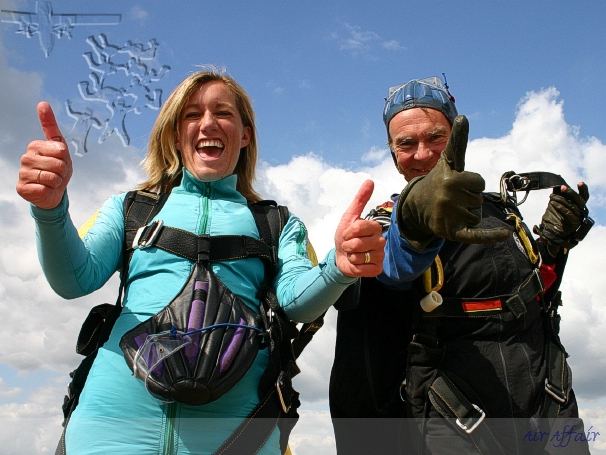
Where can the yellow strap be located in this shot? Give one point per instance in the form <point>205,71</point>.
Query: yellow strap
<point>534,257</point>
<point>428,278</point>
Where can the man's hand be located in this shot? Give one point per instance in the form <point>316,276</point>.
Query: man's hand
<point>46,166</point>
<point>564,215</point>
<point>447,202</point>
<point>359,243</point>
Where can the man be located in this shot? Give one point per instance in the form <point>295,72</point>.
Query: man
<point>487,345</point>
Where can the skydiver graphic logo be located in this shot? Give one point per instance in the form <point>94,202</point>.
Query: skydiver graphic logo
<point>121,82</point>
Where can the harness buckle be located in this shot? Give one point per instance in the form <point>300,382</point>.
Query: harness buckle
<point>465,427</point>
<point>146,235</point>
<point>279,384</point>
<point>555,393</point>
<point>403,387</point>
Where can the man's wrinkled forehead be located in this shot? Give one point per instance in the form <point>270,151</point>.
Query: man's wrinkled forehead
<point>420,121</point>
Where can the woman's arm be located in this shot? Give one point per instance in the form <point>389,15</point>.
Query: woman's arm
<point>305,291</point>
<point>73,266</point>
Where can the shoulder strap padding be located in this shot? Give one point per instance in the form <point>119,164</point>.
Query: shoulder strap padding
<point>270,219</point>
<point>140,207</point>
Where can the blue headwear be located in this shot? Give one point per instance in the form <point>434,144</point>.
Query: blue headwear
<point>429,92</point>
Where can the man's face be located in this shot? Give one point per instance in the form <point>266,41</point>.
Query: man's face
<point>418,137</point>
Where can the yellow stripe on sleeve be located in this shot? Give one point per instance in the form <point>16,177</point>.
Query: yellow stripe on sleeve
<point>83,230</point>
<point>311,254</point>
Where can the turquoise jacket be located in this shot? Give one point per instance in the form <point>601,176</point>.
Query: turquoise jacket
<point>115,413</point>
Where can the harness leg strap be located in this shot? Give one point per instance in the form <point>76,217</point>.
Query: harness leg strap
<point>449,401</point>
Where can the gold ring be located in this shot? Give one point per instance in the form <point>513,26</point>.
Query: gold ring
<point>38,178</point>
<point>366,257</point>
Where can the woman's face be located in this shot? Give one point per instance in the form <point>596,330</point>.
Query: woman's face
<point>210,133</point>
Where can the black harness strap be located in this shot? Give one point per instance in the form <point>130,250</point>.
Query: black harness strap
<point>529,181</point>
<point>469,417</point>
<point>514,303</point>
<point>202,247</point>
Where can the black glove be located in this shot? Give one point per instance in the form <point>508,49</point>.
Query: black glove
<point>565,221</point>
<point>447,202</point>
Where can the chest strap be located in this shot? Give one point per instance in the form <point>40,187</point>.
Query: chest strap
<point>512,303</point>
<point>201,248</point>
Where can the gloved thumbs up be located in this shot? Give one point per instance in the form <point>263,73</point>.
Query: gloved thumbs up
<point>447,202</point>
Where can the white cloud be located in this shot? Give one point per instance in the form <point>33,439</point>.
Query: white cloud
<point>35,426</point>
<point>356,41</point>
<point>6,391</point>
<point>594,420</point>
<point>138,13</point>
<point>375,155</point>
<point>392,45</point>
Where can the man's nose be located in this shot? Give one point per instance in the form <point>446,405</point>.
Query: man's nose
<point>424,152</point>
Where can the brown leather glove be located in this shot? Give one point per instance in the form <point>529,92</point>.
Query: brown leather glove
<point>563,218</point>
<point>447,202</point>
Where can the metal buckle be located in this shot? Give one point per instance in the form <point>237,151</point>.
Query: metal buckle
<point>148,240</point>
<point>403,387</point>
<point>279,383</point>
<point>512,183</point>
<point>556,394</point>
<point>539,278</point>
<point>468,430</point>
<point>517,182</point>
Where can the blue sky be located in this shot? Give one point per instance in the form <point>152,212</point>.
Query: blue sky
<point>529,75</point>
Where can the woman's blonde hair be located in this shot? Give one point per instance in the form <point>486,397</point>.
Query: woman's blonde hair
<point>163,163</point>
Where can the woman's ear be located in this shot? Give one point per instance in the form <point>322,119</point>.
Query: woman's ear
<point>245,137</point>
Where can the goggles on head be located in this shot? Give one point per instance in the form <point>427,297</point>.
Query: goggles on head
<point>430,92</point>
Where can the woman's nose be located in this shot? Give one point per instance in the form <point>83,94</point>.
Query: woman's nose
<point>208,121</point>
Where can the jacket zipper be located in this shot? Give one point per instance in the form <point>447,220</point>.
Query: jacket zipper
<point>171,410</point>
<point>169,429</point>
<point>205,208</point>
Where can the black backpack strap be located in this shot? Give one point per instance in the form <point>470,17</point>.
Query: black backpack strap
<point>140,207</point>
<point>270,219</point>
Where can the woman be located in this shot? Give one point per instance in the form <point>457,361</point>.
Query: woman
<point>203,152</point>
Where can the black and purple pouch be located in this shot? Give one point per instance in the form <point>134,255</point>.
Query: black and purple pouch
<point>199,346</point>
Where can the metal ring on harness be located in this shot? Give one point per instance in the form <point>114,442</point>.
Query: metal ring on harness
<point>556,394</point>
<point>146,235</point>
<point>512,182</point>
<point>403,386</point>
<point>471,429</point>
